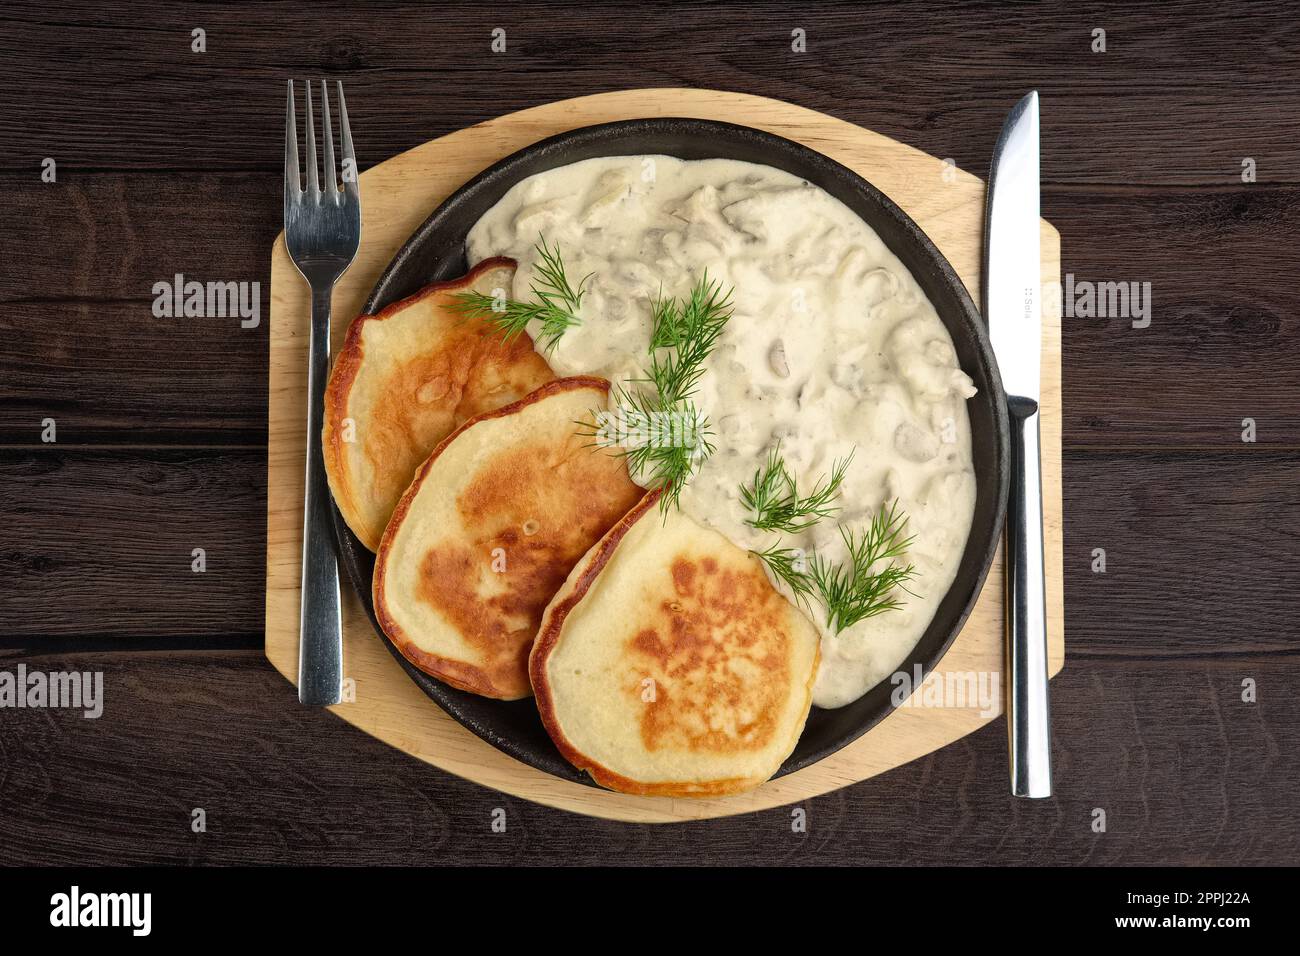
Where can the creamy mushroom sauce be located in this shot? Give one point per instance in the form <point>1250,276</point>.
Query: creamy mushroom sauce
<point>832,347</point>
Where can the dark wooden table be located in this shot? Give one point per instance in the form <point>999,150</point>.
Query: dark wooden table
<point>169,161</point>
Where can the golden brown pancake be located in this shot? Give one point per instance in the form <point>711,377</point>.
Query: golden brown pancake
<point>488,531</point>
<point>669,665</point>
<point>404,379</point>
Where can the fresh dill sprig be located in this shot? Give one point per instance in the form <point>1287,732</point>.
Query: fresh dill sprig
<point>664,443</point>
<point>557,306</point>
<point>789,565</point>
<point>512,316</point>
<point>662,432</point>
<point>554,280</point>
<point>683,335</point>
<point>853,592</point>
<point>775,501</point>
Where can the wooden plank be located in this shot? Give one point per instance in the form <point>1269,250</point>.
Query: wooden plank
<point>79,342</point>
<point>1165,74</point>
<point>1224,328</point>
<point>395,196</point>
<point>119,233</point>
<point>1179,98</point>
<point>1185,771</point>
<point>93,535</point>
<point>98,546</point>
<point>109,373</point>
<point>1199,550</point>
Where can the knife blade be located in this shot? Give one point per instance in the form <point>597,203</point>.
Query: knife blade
<point>1011,287</point>
<point>1013,310</point>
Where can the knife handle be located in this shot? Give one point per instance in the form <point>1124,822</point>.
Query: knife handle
<point>320,629</point>
<point>1028,711</point>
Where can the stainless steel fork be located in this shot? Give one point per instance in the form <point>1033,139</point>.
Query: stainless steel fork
<point>322,229</point>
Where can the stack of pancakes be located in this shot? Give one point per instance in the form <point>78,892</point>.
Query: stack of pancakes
<point>515,557</point>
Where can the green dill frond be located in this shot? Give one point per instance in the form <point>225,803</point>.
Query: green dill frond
<point>666,437</point>
<point>557,306</point>
<point>683,335</point>
<point>509,316</point>
<point>664,443</point>
<point>852,592</point>
<point>791,566</point>
<point>774,500</point>
<point>553,285</point>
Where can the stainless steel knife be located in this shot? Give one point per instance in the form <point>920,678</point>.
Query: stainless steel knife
<point>1012,308</point>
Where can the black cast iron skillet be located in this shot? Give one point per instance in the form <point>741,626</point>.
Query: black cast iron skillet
<point>436,252</point>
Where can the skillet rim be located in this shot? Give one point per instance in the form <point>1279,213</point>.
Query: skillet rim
<point>900,234</point>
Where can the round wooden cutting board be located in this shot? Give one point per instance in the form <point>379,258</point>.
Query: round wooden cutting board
<point>399,194</point>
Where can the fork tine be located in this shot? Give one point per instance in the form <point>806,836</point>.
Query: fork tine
<point>349,156</point>
<point>330,177</point>
<point>313,182</point>
<point>292,182</point>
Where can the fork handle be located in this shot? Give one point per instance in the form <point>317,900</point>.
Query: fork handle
<point>320,633</point>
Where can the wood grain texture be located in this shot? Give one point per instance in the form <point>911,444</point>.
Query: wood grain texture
<point>79,342</point>
<point>929,74</point>
<point>1185,771</point>
<point>1224,291</point>
<point>169,158</point>
<point>1200,555</point>
<point>401,192</point>
<point>88,548</point>
<point>99,546</point>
